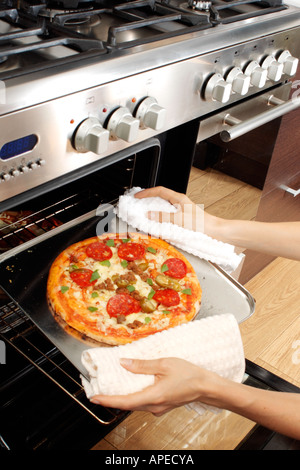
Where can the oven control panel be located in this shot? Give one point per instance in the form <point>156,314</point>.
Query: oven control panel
<point>92,136</point>
<point>239,80</point>
<point>52,139</point>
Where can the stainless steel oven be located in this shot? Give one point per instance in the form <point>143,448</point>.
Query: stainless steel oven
<point>97,97</point>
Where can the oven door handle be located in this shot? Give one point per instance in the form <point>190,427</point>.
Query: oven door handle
<point>240,128</point>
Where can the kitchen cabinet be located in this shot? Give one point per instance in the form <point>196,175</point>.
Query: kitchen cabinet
<point>276,203</point>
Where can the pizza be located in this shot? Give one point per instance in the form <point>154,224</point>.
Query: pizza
<point>117,290</point>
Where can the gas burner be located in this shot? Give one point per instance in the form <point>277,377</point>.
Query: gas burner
<point>199,5</point>
<point>196,7</point>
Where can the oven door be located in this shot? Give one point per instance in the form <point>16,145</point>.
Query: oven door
<point>234,121</point>
<point>43,404</point>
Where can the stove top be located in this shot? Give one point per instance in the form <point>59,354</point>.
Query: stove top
<point>49,33</point>
<point>83,44</point>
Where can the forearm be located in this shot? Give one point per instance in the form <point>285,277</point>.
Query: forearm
<point>277,239</point>
<point>274,410</point>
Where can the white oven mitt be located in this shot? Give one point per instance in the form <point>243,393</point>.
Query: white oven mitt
<point>133,211</point>
<point>213,343</point>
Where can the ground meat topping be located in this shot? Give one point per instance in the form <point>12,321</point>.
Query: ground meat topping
<point>135,324</point>
<point>107,284</point>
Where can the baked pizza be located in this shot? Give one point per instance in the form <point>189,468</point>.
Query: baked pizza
<point>116,290</point>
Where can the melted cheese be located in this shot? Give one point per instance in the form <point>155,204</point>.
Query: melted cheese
<point>99,301</point>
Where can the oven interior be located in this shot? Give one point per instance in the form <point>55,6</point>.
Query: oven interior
<point>43,404</point>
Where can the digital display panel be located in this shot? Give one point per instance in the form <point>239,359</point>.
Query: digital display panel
<point>18,146</point>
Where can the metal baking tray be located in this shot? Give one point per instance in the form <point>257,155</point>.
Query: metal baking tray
<point>24,272</point>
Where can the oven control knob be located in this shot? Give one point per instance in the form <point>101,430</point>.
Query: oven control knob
<point>91,137</point>
<point>217,89</point>
<point>32,165</point>
<point>239,81</point>
<point>24,169</point>
<point>123,125</point>
<point>258,75</point>
<point>274,68</point>
<point>290,63</point>
<point>150,114</point>
<point>15,172</point>
<point>5,176</point>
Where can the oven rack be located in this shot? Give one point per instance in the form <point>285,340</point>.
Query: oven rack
<point>17,329</point>
<point>31,225</point>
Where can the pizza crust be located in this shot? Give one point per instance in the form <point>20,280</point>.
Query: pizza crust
<point>74,306</point>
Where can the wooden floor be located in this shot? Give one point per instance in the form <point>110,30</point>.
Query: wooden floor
<point>271,338</point>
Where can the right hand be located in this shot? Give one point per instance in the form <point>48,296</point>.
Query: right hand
<point>177,382</point>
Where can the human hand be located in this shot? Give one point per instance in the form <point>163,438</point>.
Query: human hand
<point>177,382</point>
<point>188,215</point>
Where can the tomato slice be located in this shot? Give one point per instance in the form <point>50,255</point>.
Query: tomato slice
<point>176,268</point>
<point>122,304</point>
<point>82,277</point>
<point>131,251</point>
<point>167,297</point>
<point>99,251</point>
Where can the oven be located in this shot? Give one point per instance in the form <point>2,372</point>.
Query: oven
<point>97,97</point>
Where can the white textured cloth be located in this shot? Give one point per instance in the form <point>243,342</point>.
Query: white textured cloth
<point>213,343</point>
<point>134,211</point>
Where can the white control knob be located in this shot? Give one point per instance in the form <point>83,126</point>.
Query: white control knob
<point>274,68</point>
<point>32,166</point>
<point>15,172</point>
<point>24,169</point>
<point>258,75</point>
<point>150,114</point>
<point>123,125</point>
<point>91,137</point>
<point>5,176</point>
<point>239,81</point>
<point>217,89</point>
<point>290,63</point>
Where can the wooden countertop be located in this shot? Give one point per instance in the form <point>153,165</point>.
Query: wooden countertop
<point>271,339</point>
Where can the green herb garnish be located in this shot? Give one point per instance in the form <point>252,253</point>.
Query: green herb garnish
<point>92,309</point>
<point>166,311</point>
<point>125,240</point>
<point>73,267</point>
<point>95,275</point>
<point>124,263</point>
<point>64,289</point>
<point>147,319</point>
<point>150,282</point>
<point>152,250</point>
<point>151,294</point>
<point>187,291</point>
<point>130,288</point>
<point>94,294</point>
<point>110,243</point>
<point>106,262</point>
<point>164,268</point>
